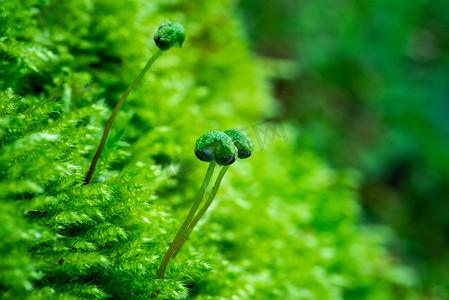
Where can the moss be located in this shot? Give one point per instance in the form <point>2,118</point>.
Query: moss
<point>284,226</point>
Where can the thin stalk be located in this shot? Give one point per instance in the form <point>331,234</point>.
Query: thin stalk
<point>177,239</point>
<point>114,114</point>
<point>202,211</point>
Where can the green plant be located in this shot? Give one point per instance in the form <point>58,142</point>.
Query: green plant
<point>168,35</point>
<point>286,224</point>
<point>213,147</point>
<point>244,146</point>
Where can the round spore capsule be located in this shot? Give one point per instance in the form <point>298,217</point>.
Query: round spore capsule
<point>170,34</point>
<point>242,141</point>
<point>216,145</point>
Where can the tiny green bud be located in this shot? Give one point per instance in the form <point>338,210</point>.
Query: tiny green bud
<point>170,34</point>
<point>242,141</point>
<point>215,145</point>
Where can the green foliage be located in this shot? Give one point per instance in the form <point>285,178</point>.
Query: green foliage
<point>284,226</point>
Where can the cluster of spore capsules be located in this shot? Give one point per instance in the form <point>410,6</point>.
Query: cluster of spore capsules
<point>224,147</point>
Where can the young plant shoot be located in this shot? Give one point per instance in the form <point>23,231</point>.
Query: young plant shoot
<point>168,35</point>
<point>215,147</point>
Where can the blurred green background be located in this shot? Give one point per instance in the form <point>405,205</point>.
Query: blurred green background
<point>368,84</point>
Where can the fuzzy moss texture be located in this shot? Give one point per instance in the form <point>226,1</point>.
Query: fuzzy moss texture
<point>284,225</point>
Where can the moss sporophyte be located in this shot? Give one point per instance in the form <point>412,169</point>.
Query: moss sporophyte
<point>217,148</point>
<point>168,35</point>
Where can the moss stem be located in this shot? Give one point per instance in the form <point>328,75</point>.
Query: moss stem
<point>175,244</point>
<point>114,114</point>
<point>202,211</point>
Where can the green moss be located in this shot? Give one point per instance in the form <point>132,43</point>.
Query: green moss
<point>284,224</point>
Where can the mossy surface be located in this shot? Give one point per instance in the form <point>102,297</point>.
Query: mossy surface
<point>284,224</point>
